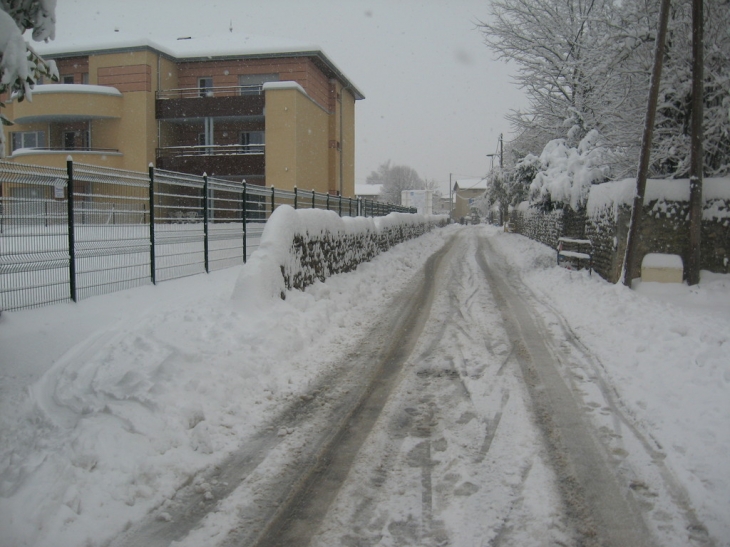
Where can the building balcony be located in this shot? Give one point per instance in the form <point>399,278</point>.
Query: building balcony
<point>69,102</point>
<point>56,156</point>
<point>215,160</point>
<point>235,101</point>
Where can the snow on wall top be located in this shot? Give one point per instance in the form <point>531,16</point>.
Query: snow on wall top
<point>77,88</point>
<point>611,195</point>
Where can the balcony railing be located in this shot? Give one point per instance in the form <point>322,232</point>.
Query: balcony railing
<point>32,150</point>
<point>221,91</point>
<point>212,150</point>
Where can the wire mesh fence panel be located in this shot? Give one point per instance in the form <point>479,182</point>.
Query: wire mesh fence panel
<point>258,210</point>
<point>285,197</point>
<point>179,228</point>
<point>111,219</point>
<point>34,252</point>
<point>321,201</point>
<point>225,224</point>
<point>114,229</point>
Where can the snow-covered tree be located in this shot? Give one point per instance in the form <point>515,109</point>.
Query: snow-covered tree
<point>20,65</point>
<point>395,179</point>
<point>566,173</point>
<point>585,64</point>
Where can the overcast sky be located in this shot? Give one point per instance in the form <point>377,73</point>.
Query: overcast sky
<point>435,99</point>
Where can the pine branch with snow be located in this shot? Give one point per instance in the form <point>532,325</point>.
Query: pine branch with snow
<point>20,66</point>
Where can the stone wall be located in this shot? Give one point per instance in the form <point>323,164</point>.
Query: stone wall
<point>664,228</point>
<point>543,227</point>
<point>317,256</point>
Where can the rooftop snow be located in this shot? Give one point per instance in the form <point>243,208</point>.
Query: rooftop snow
<point>223,45</point>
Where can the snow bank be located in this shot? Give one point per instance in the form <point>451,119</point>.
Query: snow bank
<point>108,406</point>
<point>664,349</point>
<point>301,246</point>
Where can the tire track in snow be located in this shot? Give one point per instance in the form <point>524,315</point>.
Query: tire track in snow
<point>602,514</point>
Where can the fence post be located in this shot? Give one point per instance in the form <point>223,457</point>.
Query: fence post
<point>328,201</point>
<point>71,235</point>
<point>349,206</point>
<point>273,192</point>
<point>205,221</point>
<point>339,199</point>
<point>153,267</point>
<point>245,218</point>
<point>295,198</point>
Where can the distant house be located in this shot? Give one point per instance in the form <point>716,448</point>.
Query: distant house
<point>465,192</point>
<point>233,106</point>
<point>369,191</point>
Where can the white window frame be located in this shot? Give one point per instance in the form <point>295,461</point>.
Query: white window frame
<point>24,137</point>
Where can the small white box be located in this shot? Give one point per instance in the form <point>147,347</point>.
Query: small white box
<point>662,268</point>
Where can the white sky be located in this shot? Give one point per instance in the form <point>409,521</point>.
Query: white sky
<point>435,98</point>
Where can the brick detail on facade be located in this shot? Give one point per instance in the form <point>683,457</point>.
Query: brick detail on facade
<point>73,66</point>
<point>126,78</point>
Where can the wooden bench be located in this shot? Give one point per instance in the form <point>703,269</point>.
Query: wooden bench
<point>575,254</point>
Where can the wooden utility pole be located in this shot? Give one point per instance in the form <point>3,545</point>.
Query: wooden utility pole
<point>632,242</point>
<point>696,153</point>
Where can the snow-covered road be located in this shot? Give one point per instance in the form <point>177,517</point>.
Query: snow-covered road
<point>458,390</point>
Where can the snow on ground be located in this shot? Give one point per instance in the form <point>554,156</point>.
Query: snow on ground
<point>664,348</point>
<point>109,405</point>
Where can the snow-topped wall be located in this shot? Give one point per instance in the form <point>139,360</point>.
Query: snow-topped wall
<point>299,247</point>
<point>664,225</point>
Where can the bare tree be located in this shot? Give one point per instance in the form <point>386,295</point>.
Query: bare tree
<point>395,179</point>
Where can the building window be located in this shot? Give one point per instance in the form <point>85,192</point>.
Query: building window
<point>67,79</point>
<point>251,84</point>
<point>205,85</point>
<point>85,78</point>
<point>28,139</point>
<point>76,140</point>
<point>252,142</point>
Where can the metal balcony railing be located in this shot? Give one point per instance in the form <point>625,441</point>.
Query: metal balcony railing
<point>212,150</point>
<point>220,91</point>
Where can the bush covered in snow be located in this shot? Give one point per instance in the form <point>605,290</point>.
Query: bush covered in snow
<point>567,173</point>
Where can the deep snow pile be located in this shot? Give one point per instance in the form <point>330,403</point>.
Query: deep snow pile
<point>108,406</point>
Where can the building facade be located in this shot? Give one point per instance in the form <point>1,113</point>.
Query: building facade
<point>232,107</point>
<point>465,194</point>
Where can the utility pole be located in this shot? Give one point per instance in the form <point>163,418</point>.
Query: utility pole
<point>451,200</point>
<point>501,151</point>
<point>696,151</point>
<point>632,242</point>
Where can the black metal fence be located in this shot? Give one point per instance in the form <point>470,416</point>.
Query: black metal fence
<point>86,230</point>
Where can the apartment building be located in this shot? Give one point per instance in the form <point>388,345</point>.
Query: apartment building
<point>232,106</point>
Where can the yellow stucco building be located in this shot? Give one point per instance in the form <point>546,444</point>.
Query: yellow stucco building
<point>234,107</point>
